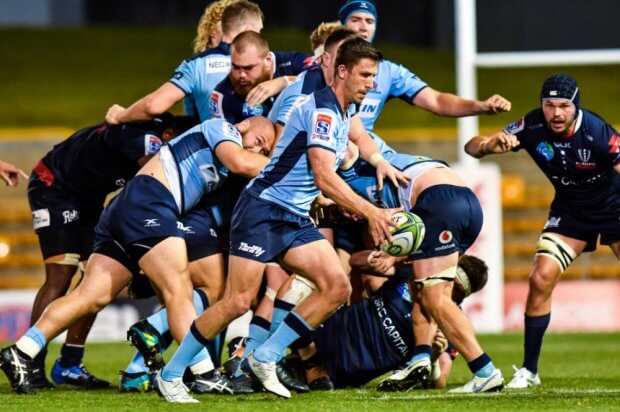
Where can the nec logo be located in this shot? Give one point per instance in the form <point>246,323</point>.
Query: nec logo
<point>254,250</point>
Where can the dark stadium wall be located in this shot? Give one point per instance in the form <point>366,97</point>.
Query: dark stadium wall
<point>502,25</point>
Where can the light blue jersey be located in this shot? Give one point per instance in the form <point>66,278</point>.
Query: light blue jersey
<point>288,180</point>
<point>307,82</point>
<point>198,76</point>
<point>392,80</point>
<point>190,163</point>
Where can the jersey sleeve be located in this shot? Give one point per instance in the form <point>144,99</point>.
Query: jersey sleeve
<point>134,143</point>
<point>613,144</point>
<point>405,84</point>
<point>184,75</point>
<point>217,131</point>
<point>216,105</point>
<point>285,103</point>
<point>322,129</point>
<point>292,63</point>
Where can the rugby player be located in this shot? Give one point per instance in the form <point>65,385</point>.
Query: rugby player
<point>209,33</point>
<point>141,225</point>
<point>271,220</point>
<point>453,219</point>
<point>361,342</point>
<point>196,77</point>
<point>66,192</point>
<point>251,64</point>
<point>11,174</point>
<point>580,155</point>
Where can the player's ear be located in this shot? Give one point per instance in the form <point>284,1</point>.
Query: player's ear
<point>341,71</point>
<point>243,126</point>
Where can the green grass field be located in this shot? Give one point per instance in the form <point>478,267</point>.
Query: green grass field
<point>70,76</point>
<point>579,372</point>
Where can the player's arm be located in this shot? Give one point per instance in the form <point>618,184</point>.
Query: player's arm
<point>267,89</point>
<point>370,153</point>
<point>447,104</point>
<point>11,174</point>
<point>500,142</point>
<point>617,168</point>
<point>240,161</point>
<point>148,107</point>
<point>379,220</point>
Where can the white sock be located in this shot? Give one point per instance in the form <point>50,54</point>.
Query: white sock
<point>29,346</point>
<point>202,366</point>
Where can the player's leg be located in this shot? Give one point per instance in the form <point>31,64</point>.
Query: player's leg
<point>554,254</point>
<point>104,279</point>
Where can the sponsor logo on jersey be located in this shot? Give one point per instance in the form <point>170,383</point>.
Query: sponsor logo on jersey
<point>445,237</point>
<point>553,222</point>
<point>249,111</point>
<point>212,232</point>
<point>152,144</point>
<point>177,75</point>
<point>151,222</point>
<point>40,218</point>
<point>562,145</point>
<point>388,327</point>
<point>120,182</point>
<point>218,64</point>
<point>614,143</point>
<point>215,105</point>
<point>515,127</point>
<point>70,216</point>
<point>253,249</point>
<point>545,150</point>
<point>369,107</point>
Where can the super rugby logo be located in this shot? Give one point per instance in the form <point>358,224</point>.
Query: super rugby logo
<point>214,105</point>
<point>152,144</point>
<point>322,127</point>
<point>515,127</point>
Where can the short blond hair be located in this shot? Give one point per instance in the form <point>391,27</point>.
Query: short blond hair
<point>209,20</point>
<point>320,34</point>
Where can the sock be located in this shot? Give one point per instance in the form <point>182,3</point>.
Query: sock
<point>137,364</point>
<point>280,310</point>
<point>291,329</point>
<point>258,334</point>
<point>32,342</point>
<point>159,320</point>
<point>201,363</point>
<point>39,360</point>
<point>535,327</point>
<point>482,366</point>
<point>421,352</point>
<point>191,345</point>
<point>71,355</point>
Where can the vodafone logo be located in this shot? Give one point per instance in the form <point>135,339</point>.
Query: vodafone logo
<point>445,237</point>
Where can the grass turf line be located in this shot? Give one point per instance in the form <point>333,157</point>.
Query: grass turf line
<point>579,371</point>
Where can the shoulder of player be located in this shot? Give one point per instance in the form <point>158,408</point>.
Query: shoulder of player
<point>222,50</point>
<point>532,121</point>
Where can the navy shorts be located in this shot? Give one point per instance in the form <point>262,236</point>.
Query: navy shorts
<point>584,224</point>
<point>453,219</point>
<point>63,222</point>
<point>144,209</point>
<point>201,234</point>
<point>262,231</point>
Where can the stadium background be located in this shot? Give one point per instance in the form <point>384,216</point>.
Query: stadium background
<point>65,61</point>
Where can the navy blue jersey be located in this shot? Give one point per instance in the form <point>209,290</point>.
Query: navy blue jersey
<point>367,339</point>
<point>99,159</point>
<point>225,103</point>
<point>308,82</point>
<point>579,166</point>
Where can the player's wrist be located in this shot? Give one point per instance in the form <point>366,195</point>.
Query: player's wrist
<point>375,158</point>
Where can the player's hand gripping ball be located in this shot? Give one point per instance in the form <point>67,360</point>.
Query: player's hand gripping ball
<point>407,237</point>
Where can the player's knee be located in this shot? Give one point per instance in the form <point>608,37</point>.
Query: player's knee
<point>238,305</point>
<point>542,282</point>
<point>339,290</point>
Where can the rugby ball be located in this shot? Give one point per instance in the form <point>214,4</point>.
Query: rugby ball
<point>407,237</point>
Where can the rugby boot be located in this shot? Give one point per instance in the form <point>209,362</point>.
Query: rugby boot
<point>213,381</point>
<point>77,376</point>
<point>173,391</point>
<point>232,365</point>
<point>18,369</point>
<point>414,376</point>
<point>324,383</point>
<point>265,372</point>
<point>493,383</point>
<point>244,385</point>
<point>39,380</point>
<point>132,382</point>
<point>148,341</point>
<point>290,378</point>
<point>522,379</point>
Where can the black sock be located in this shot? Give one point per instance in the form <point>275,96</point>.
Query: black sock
<point>71,355</point>
<point>39,361</point>
<point>535,327</point>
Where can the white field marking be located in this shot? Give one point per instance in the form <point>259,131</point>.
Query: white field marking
<point>512,392</point>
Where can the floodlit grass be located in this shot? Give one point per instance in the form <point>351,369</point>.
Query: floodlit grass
<point>70,76</point>
<point>579,371</point>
